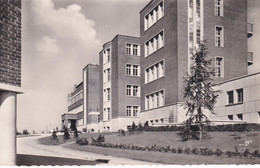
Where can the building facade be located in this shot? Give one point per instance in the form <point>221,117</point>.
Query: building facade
<point>120,83</point>
<point>83,102</point>
<point>91,98</point>
<point>10,76</point>
<point>74,117</point>
<point>170,32</point>
<point>239,100</point>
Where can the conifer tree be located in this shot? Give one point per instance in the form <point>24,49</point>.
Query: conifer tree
<point>198,90</point>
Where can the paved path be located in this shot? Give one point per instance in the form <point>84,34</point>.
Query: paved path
<point>31,146</point>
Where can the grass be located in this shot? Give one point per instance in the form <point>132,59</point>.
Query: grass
<point>49,141</point>
<point>222,140</point>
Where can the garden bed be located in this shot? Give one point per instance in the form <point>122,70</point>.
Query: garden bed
<point>167,147</point>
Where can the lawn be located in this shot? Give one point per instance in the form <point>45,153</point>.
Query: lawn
<point>222,140</point>
<point>49,141</point>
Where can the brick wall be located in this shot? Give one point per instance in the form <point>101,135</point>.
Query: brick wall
<point>10,42</point>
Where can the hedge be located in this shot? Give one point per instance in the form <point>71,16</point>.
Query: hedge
<point>210,128</point>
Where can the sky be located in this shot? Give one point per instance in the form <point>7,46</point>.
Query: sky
<point>60,37</point>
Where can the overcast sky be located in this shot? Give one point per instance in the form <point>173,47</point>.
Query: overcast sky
<point>60,37</point>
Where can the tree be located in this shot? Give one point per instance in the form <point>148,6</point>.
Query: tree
<point>198,90</point>
<point>76,134</point>
<point>66,135</point>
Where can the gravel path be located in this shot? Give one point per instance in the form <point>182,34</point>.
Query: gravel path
<point>31,146</point>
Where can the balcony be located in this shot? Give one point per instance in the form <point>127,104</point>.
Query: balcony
<point>249,58</point>
<point>249,30</point>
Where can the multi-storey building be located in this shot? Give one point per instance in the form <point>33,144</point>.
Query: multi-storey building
<point>10,76</point>
<point>170,31</point>
<point>83,102</point>
<point>74,117</point>
<point>120,83</point>
<point>91,98</point>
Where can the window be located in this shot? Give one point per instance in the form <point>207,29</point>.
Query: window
<point>230,97</point>
<point>135,49</point>
<point>132,70</point>
<point>108,74</point>
<point>135,110</point>
<point>108,94</point>
<point>240,117</point>
<point>132,90</point>
<point>218,7</point>
<point>128,110</point>
<point>135,70</point>
<point>219,37</point>
<point>108,55</point>
<point>153,16</point>
<point>108,114</point>
<point>154,72</point>
<point>154,100</point>
<point>219,67</point>
<point>154,44</point>
<point>230,117</point>
<point>132,49</point>
<point>128,69</point>
<point>128,90</point>
<point>128,49</point>
<point>135,90</point>
<point>240,95</point>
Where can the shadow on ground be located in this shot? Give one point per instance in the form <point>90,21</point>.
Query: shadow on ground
<point>35,160</point>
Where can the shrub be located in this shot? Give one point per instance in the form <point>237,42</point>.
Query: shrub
<point>180,150</point>
<point>218,152</point>
<point>54,136</point>
<point>256,153</point>
<point>84,130</point>
<point>101,138</point>
<point>82,141</point>
<point>121,132</point>
<point>195,151</point>
<point>246,153</point>
<point>187,150</point>
<point>66,135</point>
<point>173,150</point>
<point>229,153</point>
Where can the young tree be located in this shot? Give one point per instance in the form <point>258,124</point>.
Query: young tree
<point>66,135</point>
<point>198,90</point>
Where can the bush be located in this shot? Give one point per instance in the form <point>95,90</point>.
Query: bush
<point>101,138</point>
<point>54,136</point>
<point>195,151</point>
<point>121,132</point>
<point>82,141</point>
<point>187,150</point>
<point>218,152</point>
<point>256,153</point>
<point>66,135</point>
<point>84,130</point>
<point>246,153</point>
<point>229,153</point>
<point>180,150</point>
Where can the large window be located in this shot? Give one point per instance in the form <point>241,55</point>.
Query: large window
<point>230,97</point>
<point>106,55</point>
<point>240,95</point>
<point>132,90</point>
<point>219,7</point>
<point>75,98</point>
<point>153,16</point>
<point>154,72</point>
<point>219,67</point>
<point>132,111</point>
<point>132,70</point>
<point>107,75</point>
<point>154,100</point>
<point>154,44</point>
<point>219,36</point>
<point>107,94</point>
<point>132,49</point>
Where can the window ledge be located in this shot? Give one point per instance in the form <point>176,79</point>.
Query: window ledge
<point>153,23</point>
<point>154,80</point>
<point>154,51</point>
<point>234,104</point>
